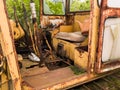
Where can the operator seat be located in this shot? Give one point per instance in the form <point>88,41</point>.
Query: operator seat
<point>79,36</point>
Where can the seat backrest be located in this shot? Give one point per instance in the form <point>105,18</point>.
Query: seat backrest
<point>66,28</point>
<point>84,26</point>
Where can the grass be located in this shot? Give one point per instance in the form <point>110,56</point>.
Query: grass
<point>77,70</point>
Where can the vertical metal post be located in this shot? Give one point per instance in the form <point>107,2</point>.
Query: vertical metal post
<point>8,47</point>
<point>93,35</point>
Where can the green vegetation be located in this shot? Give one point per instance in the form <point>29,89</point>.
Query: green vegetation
<point>77,70</point>
<point>19,8</point>
<point>54,7</point>
<point>79,5</point>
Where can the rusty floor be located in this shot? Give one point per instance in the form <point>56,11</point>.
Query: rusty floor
<point>39,78</point>
<point>42,78</point>
<point>26,69</point>
<point>49,78</point>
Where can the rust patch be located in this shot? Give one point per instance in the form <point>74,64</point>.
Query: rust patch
<point>105,13</point>
<point>111,64</point>
<point>24,84</point>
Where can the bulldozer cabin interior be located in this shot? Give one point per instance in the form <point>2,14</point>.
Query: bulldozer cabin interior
<point>70,47</point>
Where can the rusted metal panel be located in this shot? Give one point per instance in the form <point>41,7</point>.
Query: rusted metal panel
<point>4,79</point>
<point>25,86</point>
<point>78,80</point>
<point>62,78</point>
<point>106,12</point>
<point>81,58</point>
<point>93,34</point>
<point>8,46</point>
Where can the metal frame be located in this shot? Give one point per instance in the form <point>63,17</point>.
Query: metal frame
<point>93,35</point>
<point>8,47</point>
<point>94,59</point>
<point>106,12</point>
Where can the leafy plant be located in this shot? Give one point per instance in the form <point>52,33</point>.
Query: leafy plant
<point>77,70</point>
<point>19,9</point>
<point>79,5</point>
<point>54,7</point>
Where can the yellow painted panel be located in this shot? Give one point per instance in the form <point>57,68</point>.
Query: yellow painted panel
<point>5,86</point>
<point>80,18</point>
<point>55,43</point>
<point>81,59</point>
<point>66,28</point>
<point>18,32</point>
<point>69,47</point>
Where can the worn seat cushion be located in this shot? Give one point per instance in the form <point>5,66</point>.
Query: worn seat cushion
<point>73,36</point>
